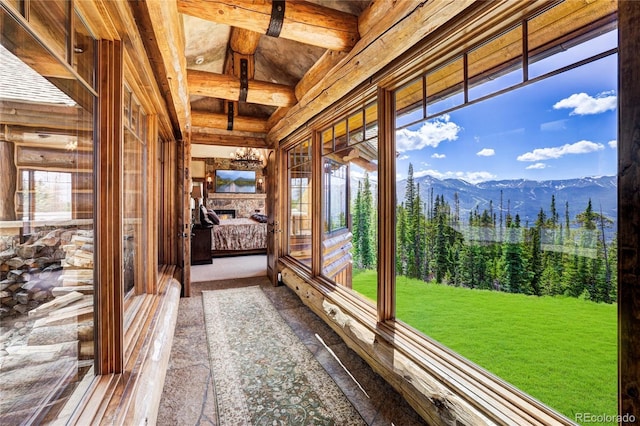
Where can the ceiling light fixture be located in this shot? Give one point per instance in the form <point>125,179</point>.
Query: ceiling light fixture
<point>247,157</point>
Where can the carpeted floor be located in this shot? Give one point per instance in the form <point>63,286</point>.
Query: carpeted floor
<point>265,375</point>
<point>232,267</point>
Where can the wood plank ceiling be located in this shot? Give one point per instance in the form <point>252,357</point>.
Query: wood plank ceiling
<point>238,77</point>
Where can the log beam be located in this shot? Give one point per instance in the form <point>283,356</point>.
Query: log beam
<point>228,87</point>
<point>244,41</point>
<point>305,22</point>
<point>220,121</point>
<point>228,138</point>
<point>318,71</point>
<point>169,60</point>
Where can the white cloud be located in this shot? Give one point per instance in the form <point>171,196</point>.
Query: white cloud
<point>471,177</point>
<point>436,155</point>
<point>403,157</point>
<point>432,133</point>
<point>583,104</point>
<point>613,144</point>
<point>582,147</point>
<point>536,166</point>
<point>486,152</point>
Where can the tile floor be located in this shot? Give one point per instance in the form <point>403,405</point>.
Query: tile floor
<point>189,397</point>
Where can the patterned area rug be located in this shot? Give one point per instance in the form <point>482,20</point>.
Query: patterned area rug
<point>263,373</point>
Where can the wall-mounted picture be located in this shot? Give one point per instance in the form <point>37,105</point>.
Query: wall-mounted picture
<point>236,181</point>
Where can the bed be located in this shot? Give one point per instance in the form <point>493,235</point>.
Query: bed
<point>238,236</point>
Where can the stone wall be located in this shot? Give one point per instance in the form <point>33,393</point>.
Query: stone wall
<point>244,204</point>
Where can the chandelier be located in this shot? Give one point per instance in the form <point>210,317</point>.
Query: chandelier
<point>247,157</point>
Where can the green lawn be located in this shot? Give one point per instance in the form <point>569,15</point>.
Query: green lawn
<point>561,350</point>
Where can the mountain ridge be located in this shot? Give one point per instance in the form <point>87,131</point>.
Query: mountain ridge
<point>522,196</point>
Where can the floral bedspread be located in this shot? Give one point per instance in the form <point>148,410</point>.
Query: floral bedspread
<point>239,234</point>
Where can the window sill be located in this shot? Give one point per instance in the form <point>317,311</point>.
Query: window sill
<point>133,397</point>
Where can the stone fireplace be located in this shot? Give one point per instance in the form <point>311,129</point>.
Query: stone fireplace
<point>243,205</point>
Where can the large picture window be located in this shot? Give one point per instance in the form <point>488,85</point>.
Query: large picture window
<point>350,206</point>
<point>134,191</point>
<point>506,207</point>
<point>300,198</point>
<point>47,223</point>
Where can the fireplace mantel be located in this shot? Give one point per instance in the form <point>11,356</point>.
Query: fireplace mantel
<point>234,196</point>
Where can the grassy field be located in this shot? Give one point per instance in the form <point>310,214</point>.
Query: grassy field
<point>560,350</point>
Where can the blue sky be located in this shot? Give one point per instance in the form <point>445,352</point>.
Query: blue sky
<point>560,128</point>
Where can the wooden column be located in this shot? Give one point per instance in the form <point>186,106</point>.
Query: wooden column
<point>9,177</point>
<point>387,206</point>
<point>109,290</point>
<point>629,208</point>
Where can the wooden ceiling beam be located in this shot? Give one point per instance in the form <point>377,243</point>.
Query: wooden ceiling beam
<point>225,86</point>
<point>220,121</point>
<point>169,60</point>
<point>244,41</point>
<point>305,22</point>
<point>228,138</point>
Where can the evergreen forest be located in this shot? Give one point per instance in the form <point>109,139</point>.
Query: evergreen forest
<point>492,249</point>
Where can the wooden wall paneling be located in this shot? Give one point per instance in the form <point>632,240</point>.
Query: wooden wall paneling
<point>108,212</point>
<point>629,208</point>
<point>387,206</point>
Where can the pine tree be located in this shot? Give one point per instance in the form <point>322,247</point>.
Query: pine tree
<point>357,228</point>
<point>367,241</point>
<point>401,238</point>
<point>535,254</point>
<point>514,271</point>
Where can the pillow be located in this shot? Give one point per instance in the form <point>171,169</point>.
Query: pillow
<point>204,218</point>
<point>259,217</point>
<point>213,217</point>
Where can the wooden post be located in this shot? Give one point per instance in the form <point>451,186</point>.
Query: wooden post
<point>109,294</point>
<point>9,177</point>
<point>629,208</point>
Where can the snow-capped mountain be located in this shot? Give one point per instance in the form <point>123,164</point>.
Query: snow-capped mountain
<point>521,196</point>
